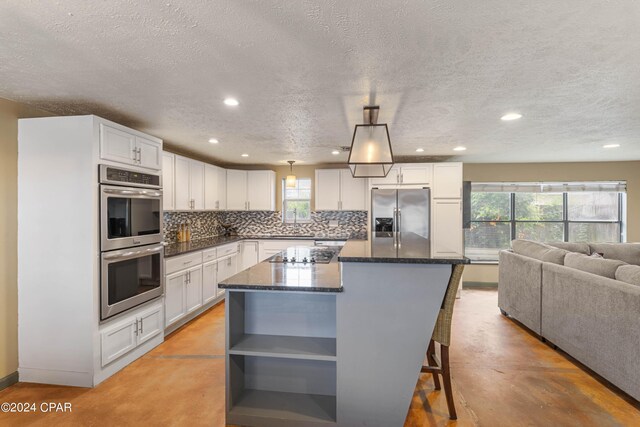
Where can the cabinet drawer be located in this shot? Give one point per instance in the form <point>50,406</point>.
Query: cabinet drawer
<point>209,254</point>
<point>228,249</point>
<point>181,262</point>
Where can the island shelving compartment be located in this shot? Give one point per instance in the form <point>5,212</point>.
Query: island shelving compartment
<point>281,358</point>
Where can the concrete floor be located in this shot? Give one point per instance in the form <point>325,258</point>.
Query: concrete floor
<point>502,376</point>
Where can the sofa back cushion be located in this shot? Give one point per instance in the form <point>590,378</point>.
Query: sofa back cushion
<point>627,252</point>
<point>629,274</point>
<point>579,247</point>
<point>529,248</point>
<point>555,255</point>
<point>600,266</point>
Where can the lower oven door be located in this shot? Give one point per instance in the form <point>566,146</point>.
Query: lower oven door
<point>130,277</point>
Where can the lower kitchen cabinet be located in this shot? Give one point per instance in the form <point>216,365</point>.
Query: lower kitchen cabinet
<point>126,335</point>
<point>175,304</point>
<point>209,282</point>
<point>248,254</point>
<point>227,267</point>
<point>193,289</point>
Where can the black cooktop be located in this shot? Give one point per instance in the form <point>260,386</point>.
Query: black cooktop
<point>302,255</point>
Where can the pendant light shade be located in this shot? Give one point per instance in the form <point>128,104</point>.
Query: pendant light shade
<point>291,180</point>
<point>371,155</point>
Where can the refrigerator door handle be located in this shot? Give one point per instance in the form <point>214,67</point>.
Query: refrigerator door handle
<point>399,215</point>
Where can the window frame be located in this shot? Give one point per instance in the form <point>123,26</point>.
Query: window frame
<point>565,220</point>
<point>285,200</point>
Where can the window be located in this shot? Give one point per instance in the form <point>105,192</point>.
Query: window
<point>574,212</point>
<point>296,201</point>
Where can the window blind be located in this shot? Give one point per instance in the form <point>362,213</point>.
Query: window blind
<point>549,187</point>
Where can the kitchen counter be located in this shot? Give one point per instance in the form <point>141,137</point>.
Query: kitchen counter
<point>175,249</point>
<point>407,248</point>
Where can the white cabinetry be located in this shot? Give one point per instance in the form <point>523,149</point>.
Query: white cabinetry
<point>447,180</point>
<point>175,305</point>
<point>215,192</point>
<point>268,248</point>
<point>249,250</point>
<point>251,190</point>
<point>209,281</point>
<point>410,173</point>
<point>446,234</point>
<point>118,144</point>
<point>168,184</point>
<point>193,289</point>
<point>336,189</point>
<point>189,184</point>
<point>124,336</point>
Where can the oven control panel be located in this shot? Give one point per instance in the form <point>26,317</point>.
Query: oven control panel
<point>112,175</point>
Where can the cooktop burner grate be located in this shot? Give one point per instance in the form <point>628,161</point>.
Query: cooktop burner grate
<point>304,256</point>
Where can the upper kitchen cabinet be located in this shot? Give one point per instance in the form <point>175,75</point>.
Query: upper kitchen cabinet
<point>188,184</point>
<point>417,173</point>
<point>447,180</point>
<point>168,185</point>
<point>251,190</point>
<point>336,189</point>
<point>215,188</point>
<point>118,144</point>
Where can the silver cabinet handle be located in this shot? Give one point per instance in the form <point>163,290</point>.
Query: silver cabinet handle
<point>141,327</point>
<point>136,331</point>
<point>139,150</point>
<point>135,159</point>
<point>217,204</point>
<point>249,205</point>
<point>187,262</point>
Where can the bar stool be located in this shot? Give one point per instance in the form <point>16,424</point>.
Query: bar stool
<point>442,335</point>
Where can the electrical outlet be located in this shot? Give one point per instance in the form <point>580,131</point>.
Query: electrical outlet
<point>333,223</point>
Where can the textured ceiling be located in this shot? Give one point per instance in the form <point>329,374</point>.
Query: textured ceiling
<point>443,73</point>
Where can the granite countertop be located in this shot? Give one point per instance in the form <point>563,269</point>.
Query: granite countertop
<point>382,248</point>
<point>269,276</point>
<point>175,249</point>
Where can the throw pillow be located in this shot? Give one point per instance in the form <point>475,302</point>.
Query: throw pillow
<point>629,274</point>
<point>600,266</point>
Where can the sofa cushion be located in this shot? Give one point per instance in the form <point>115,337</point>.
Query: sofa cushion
<point>580,247</point>
<point>629,274</point>
<point>600,266</point>
<point>529,248</point>
<point>555,255</point>
<point>627,252</point>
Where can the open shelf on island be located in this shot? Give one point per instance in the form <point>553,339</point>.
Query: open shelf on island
<point>296,408</point>
<point>312,348</point>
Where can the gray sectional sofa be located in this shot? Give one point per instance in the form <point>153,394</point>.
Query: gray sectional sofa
<point>583,298</point>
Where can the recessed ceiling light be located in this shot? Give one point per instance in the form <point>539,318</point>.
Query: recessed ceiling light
<point>335,152</point>
<point>213,141</point>
<point>419,150</point>
<point>244,155</point>
<point>511,116</point>
<point>459,148</point>
<point>611,146</point>
<point>231,102</point>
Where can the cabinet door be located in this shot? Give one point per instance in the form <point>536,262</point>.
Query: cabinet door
<point>209,282</point>
<point>261,189</point>
<point>249,255</point>
<point>327,190</point>
<point>391,178</point>
<point>447,180</point>
<point>416,174</point>
<point>196,182</point>
<point>168,203</point>
<point>193,289</point>
<point>175,306</point>
<point>352,192</point>
<point>150,153</point>
<point>446,234</point>
<point>227,267</point>
<point>182,193</point>
<point>211,199</point>
<point>236,190</point>
<point>117,145</point>
<point>150,323</point>
<point>118,340</point>
<point>222,188</point>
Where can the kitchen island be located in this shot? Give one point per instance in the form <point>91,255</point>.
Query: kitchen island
<point>339,342</point>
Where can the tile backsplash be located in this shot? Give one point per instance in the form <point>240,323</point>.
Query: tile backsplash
<point>207,224</point>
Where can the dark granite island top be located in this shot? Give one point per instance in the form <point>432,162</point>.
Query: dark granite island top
<point>272,276</point>
<point>405,248</point>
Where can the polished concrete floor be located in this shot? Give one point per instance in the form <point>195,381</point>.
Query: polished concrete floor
<point>502,376</point>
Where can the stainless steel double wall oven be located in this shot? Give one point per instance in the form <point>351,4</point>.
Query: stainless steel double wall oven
<point>130,239</point>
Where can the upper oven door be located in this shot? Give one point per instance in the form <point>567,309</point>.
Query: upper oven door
<point>129,217</point>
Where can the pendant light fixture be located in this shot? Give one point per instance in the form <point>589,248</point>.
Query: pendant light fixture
<point>370,155</point>
<point>291,180</point>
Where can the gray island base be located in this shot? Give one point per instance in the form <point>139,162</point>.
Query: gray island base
<point>345,350</point>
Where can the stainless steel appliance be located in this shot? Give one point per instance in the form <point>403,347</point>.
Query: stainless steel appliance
<point>130,208</point>
<point>130,277</point>
<point>132,254</point>
<point>400,211</point>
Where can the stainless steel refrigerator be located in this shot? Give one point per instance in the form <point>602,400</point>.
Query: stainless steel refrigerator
<point>402,210</point>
